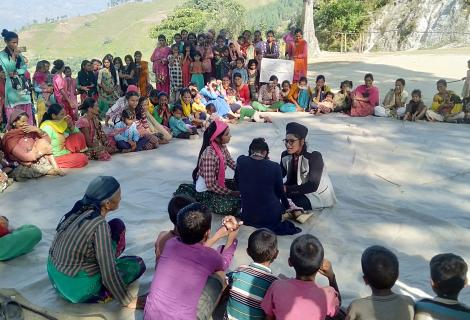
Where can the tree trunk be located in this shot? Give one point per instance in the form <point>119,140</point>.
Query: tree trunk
<point>308,27</point>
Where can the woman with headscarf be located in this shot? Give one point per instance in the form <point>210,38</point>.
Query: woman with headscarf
<point>17,90</point>
<point>210,186</point>
<point>308,184</point>
<point>263,200</point>
<point>84,263</point>
<point>68,143</point>
<point>30,147</point>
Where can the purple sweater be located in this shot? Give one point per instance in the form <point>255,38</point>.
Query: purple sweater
<point>180,277</point>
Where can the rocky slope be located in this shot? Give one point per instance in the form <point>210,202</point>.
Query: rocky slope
<point>415,24</point>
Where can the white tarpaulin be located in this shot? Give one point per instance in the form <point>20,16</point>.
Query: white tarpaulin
<point>283,69</point>
<point>399,184</point>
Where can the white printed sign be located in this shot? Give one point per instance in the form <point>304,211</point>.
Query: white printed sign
<point>282,69</point>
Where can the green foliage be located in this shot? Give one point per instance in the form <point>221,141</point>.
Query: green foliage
<point>339,16</point>
<point>201,15</point>
<point>275,16</point>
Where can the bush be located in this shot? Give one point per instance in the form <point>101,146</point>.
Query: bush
<point>201,15</point>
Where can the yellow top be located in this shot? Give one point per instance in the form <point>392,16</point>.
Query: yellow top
<point>438,101</point>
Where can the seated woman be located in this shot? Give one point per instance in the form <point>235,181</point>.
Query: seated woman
<point>394,104</point>
<point>147,120</point>
<point>83,263</point>
<point>212,95</point>
<point>229,94</point>
<point>365,98</point>
<point>67,141</point>
<point>262,192</point>
<point>30,147</point>
<point>319,92</point>
<point>16,242</point>
<point>242,90</point>
<point>269,97</point>
<point>308,184</point>
<point>210,186</point>
<point>192,114</point>
<point>446,105</point>
<point>299,97</point>
<point>130,100</point>
<point>162,111</point>
<point>99,146</point>
<point>343,100</point>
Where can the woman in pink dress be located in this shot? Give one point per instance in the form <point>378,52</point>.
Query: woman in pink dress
<point>160,65</point>
<point>365,98</point>
<point>71,87</point>
<point>60,90</point>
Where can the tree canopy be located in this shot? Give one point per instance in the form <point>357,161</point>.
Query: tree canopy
<point>201,15</point>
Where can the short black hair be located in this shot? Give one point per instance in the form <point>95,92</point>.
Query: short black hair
<point>193,222</point>
<point>303,79</point>
<point>210,106</point>
<point>320,77</point>
<point>306,255</point>
<point>416,92</point>
<point>401,80</point>
<point>241,60</point>
<point>262,246</point>
<point>448,272</point>
<point>237,75</point>
<point>329,93</point>
<point>442,81</point>
<point>273,78</point>
<point>380,267</point>
<point>369,75</point>
<point>348,82</point>
<point>177,203</point>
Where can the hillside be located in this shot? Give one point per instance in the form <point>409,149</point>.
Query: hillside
<point>119,31</point>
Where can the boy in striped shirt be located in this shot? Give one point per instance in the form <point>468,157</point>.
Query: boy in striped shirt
<point>250,283</point>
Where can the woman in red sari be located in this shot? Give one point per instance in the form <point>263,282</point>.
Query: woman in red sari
<point>298,51</point>
<point>365,98</point>
<point>160,64</point>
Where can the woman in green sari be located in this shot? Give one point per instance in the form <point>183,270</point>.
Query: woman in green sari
<point>108,86</point>
<point>17,87</point>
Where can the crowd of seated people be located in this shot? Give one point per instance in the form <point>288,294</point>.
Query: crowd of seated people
<point>203,83</point>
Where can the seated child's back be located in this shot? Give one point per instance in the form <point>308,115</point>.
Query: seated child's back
<point>176,203</point>
<point>449,277</point>
<point>302,298</point>
<point>380,267</point>
<point>250,283</point>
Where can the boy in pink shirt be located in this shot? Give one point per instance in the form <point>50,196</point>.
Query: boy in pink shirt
<point>188,265</point>
<point>302,298</point>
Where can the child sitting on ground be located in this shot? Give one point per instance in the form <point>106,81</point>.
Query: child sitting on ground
<point>128,135</point>
<point>282,301</point>
<point>380,268</point>
<point>248,284</point>
<point>343,100</point>
<point>176,203</point>
<point>179,128</point>
<point>189,268</point>
<point>448,278</point>
<point>415,109</point>
<point>325,106</point>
